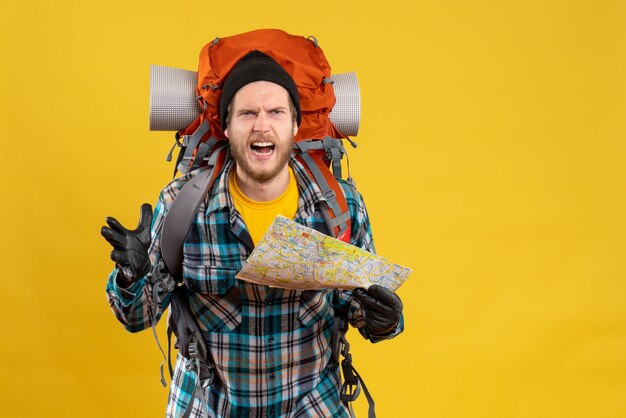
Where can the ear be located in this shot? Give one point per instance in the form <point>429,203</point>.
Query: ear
<point>295,128</point>
<point>226,133</point>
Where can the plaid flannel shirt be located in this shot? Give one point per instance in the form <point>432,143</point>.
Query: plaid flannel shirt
<point>270,346</point>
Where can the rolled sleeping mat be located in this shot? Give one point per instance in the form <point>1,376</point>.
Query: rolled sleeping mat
<point>173,104</point>
<point>346,114</point>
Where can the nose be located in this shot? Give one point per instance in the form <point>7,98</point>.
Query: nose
<point>261,123</point>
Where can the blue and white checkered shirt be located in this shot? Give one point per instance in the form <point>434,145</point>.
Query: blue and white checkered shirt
<point>270,346</point>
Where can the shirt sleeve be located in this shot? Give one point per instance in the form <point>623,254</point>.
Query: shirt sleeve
<point>361,228</point>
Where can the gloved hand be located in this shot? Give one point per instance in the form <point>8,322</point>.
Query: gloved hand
<point>130,248</point>
<point>383,309</point>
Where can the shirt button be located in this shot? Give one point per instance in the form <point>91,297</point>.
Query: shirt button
<point>272,376</point>
<point>271,339</point>
<point>271,411</point>
<point>268,302</point>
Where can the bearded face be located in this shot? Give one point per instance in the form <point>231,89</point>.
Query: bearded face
<point>261,128</point>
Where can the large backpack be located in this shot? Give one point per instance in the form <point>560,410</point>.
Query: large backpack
<point>318,142</point>
<point>318,146</point>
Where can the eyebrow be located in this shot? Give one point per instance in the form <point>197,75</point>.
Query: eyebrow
<point>251,109</point>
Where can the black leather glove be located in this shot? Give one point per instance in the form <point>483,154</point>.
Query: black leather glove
<point>383,309</point>
<point>130,248</point>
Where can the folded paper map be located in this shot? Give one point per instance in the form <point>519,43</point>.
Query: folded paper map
<point>293,256</point>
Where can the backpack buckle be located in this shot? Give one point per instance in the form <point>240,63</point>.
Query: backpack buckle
<point>206,373</point>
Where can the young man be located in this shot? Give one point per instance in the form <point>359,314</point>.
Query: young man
<point>271,347</point>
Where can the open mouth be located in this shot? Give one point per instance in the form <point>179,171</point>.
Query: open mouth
<point>262,148</point>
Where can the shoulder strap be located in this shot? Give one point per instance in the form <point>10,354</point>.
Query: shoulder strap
<point>337,215</point>
<point>183,209</point>
<point>352,381</point>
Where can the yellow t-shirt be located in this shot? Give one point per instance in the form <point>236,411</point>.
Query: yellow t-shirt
<point>258,216</point>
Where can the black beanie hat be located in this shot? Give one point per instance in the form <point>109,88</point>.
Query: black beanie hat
<point>257,66</point>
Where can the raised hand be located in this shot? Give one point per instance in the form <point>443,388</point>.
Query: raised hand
<point>130,247</point>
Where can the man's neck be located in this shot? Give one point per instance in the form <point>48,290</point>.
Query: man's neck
<point>262,191</point>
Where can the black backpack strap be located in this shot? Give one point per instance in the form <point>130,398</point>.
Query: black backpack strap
<point>191,345</point>
<point>350,389</point>
<point>352,381</point>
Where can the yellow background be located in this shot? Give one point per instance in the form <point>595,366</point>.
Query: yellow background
<point>491,157</point>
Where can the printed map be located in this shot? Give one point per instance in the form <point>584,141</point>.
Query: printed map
<point>293,256</point>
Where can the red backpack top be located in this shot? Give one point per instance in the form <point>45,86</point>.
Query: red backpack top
<point>301,57</point>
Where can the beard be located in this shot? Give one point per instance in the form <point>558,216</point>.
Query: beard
<point>263,174</point>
